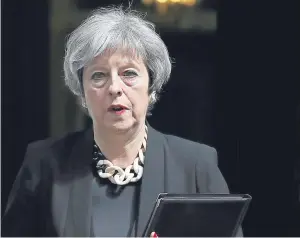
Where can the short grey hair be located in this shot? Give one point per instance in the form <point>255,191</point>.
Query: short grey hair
<point>113,28</point>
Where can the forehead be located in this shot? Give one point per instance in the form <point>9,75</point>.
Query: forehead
<point>118,57</point>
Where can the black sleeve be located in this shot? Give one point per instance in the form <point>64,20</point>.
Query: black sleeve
<point>210,178</point>
<point>208,175</point>
<point>21,214</point>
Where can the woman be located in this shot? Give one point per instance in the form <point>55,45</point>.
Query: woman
<point>103,181</point>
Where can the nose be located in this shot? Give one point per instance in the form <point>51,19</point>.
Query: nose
<point>115,88</point>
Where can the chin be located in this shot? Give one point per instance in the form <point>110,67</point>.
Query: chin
<point>122,126</point>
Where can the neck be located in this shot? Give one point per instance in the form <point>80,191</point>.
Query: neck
<point>120,148</point>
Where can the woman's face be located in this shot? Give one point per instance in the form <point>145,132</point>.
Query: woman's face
<point>116,91</point>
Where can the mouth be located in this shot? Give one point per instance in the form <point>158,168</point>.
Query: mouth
<point>117,108</point>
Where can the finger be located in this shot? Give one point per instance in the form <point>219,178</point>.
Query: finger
<point>153,235</point>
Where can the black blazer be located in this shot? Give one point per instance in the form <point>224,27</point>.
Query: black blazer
<point>52,193</point>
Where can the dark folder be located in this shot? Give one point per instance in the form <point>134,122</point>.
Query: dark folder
<point>197,215</point>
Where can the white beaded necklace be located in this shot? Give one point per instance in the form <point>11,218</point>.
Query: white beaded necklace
<point>117,175</point>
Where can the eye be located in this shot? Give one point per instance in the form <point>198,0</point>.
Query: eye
<point>97,75</point>
<point>130,73</point>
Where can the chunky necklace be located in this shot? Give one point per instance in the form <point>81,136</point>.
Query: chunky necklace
<point>117,175</point>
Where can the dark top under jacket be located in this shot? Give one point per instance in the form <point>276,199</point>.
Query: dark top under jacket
<point>56,193</point>
<point>113,209</point>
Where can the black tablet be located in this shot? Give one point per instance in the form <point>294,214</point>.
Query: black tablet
<point>197,215</point>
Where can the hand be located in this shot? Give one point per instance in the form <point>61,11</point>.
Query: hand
<point>153,235</point>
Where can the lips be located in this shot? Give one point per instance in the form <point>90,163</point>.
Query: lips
<point>117,107</point>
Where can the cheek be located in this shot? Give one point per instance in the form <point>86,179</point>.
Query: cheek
<point>144,96</point>
<point>94,98</point>
<point>139,99</point>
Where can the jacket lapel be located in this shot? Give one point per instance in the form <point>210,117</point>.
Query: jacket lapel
<point>78,221</point>
<point>153,181</point>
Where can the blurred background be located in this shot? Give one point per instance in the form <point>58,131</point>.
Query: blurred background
<point>214,96</point>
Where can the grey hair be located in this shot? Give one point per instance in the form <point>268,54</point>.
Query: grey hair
<point>113,28</point>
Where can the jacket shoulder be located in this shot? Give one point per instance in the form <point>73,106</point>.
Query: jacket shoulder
<point>199,153</point>
<point>38,152</point>
<point>185,143</point>
<point>63,141</point>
